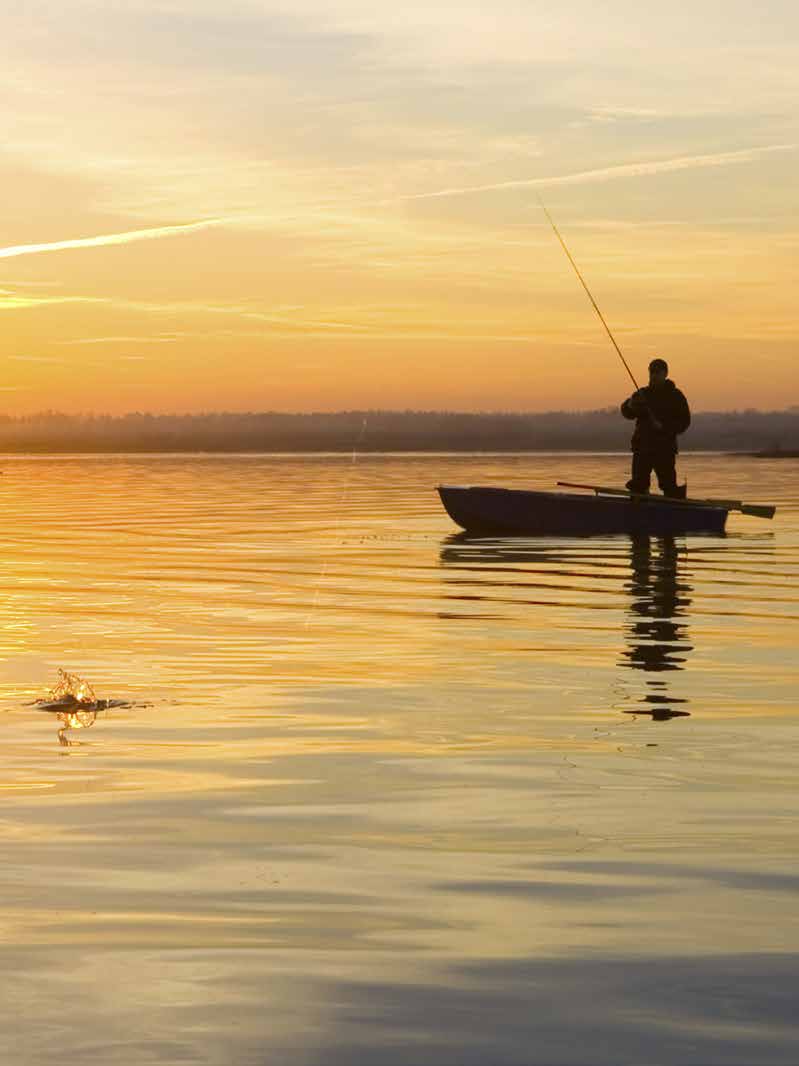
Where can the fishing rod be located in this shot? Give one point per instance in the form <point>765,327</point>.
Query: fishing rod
<point>588,291</point>
<point>758,510</point>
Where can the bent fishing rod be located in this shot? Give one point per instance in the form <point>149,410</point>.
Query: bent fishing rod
<point>588,291</point>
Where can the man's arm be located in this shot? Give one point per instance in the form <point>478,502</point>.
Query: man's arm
<point>637,407</point>
<point>679,415</point>
<point>685,415</point>
<point>633,407</point>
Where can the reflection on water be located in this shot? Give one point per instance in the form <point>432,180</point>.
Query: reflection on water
<point>657,634</point>
<point>77,719</point>
<point>385,805</point>
<point>655,625</point>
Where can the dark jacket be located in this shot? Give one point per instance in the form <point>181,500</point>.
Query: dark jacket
<point>669,407</point>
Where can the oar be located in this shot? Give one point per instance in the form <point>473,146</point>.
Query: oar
<point>755,510</point>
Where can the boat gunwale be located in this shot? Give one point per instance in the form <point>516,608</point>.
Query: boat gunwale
<point>642,500</point>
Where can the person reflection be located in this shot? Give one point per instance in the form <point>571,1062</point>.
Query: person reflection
<point>656,632</point>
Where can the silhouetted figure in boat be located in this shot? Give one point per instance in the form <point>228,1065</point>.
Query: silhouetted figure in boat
<point>660,412</point>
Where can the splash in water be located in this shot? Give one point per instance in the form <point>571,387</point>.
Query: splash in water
<point>74,702</point>
<point>72,689</point>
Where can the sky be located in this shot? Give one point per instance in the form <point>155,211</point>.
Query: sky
<point>334,204</point>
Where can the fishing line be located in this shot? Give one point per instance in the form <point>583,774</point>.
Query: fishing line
<point>588,291</point>
<point>344,493</point>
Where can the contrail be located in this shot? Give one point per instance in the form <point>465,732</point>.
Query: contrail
<point>109,238</point>
<point>625,170</point>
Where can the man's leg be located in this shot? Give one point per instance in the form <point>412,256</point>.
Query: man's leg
<point>666,471</point>
<point>642,469</point>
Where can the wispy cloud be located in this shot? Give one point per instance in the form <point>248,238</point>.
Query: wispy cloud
<point>280,316</point>
<point>624,170</point>
<point>11,301</point>
<point>35,359</point>
<point>165,338</point>
<point>102,240</point>
<point>30,284</point>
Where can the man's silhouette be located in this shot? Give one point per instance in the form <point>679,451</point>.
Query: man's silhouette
<point>660,412</point>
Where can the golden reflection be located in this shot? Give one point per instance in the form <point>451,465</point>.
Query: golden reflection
<point>74,720</point>
<point>656,632</point>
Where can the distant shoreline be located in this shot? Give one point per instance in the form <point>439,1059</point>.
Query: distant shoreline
<point>774,453</point>
<point>360,453</point>
<point>765,434</point>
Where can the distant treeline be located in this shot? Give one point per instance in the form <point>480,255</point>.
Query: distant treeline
<point>382,431</point>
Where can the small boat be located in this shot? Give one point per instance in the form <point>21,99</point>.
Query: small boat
<point>519,512</point>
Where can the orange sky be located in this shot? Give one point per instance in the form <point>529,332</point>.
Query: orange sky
<point>367,191</point>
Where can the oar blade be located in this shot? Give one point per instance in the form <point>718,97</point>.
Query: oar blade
<point>757,510</point>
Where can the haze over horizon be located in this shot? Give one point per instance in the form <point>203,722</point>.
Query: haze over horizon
<point>315,207</point>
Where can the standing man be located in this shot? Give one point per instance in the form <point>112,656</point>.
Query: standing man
<point>660,412</point>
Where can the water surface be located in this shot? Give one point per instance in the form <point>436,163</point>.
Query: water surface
<point>369,791</point>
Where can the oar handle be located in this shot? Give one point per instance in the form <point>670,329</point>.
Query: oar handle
<point>731,505</point>
<point>753,509</point>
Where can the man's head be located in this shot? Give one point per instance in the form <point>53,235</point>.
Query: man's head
<point>658,372</point>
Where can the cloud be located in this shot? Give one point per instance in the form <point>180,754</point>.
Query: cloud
<point>625,170</point>
<point>166,338</point>
<point>35,359</point>
<point>29,284</point>
<point>103,240</point>
<point>11,301</point>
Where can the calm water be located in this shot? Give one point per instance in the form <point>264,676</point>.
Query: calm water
<point>377,794</point>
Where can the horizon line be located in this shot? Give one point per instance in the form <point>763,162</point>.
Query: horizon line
<point>791,409</point>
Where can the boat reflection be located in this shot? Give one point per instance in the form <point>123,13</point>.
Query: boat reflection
<point>657,631</point>
<point>516,574</point>
<point>467,552</point>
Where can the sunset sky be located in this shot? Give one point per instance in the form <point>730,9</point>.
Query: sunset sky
<point>325,204</point>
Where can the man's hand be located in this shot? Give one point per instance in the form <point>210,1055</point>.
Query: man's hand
<point>639,401</point>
